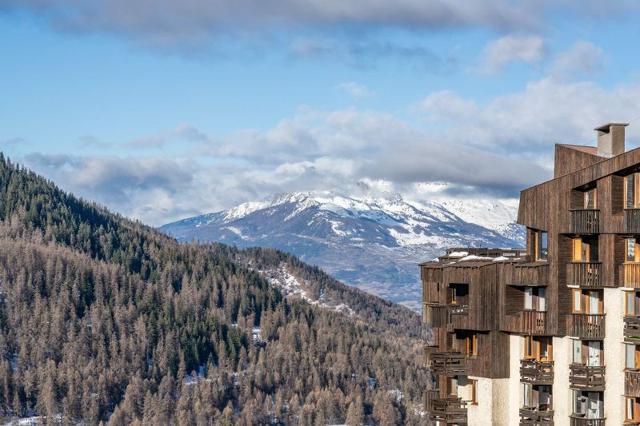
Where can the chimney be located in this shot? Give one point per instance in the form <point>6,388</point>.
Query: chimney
<point>611,139</point>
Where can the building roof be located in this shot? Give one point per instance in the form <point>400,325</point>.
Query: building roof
<point>593,150</point>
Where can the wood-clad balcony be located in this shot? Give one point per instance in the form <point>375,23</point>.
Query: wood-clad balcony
<point>536,372</point>
<point>449,364</point>
<point>632,328</point>
<point>437,315</point>
<point>584,221</point>
<point>536,417</point>
<point>586,326</point>
<point>586,377</point>
<point>578,420</point>
<point>632,221</point>
<point>448,410</point>
<point>528,274</point>
<point>629,274</point>
<point>632,383</point>
<point>447,316</point>
<point>528,322</point>
<point>584,274</point>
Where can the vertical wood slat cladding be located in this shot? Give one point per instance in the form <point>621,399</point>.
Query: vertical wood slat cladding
<point>569,160</point>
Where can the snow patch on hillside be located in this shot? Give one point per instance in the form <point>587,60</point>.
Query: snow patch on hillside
<point>291,286</point>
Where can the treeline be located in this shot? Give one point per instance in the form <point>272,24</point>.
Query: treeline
<point>104,320</point>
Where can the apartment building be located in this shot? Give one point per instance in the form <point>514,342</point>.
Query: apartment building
<point>549,334</point>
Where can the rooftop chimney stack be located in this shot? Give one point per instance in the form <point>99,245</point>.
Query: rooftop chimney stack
<point>611,139</point>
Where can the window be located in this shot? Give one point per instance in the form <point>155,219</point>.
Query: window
<point>577,352</point>
<point>632,409</point>
<point>541,245</point>
<point>585,249</point>
<point>459,294</point>
<point>527,393</point>
<point>631,303</point>
<point>452,386</point>
<point>590,199</point>
<point>632,250</point>
<point>630,358</point>
<point>587,301</point>
<point>538,348</point>
<point>631,200</point>
<point>577,300</point>
<point>528,298</point>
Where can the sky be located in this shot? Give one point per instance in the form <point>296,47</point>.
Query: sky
<point>166,109</point>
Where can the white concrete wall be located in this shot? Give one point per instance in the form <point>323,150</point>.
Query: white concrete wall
<point>614,355</point>
<point>514,396</point>
<point>493,402</point>
<point>562,395</point>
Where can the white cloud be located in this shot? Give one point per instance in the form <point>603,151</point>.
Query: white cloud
<point>356,90</point>
<point>582,58</point>
<point>529,49</point>
<point>196,21</point>
<point>463,147</point>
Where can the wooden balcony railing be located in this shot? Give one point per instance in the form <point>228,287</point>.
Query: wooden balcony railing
<point>459,309</point>
<point>632,221</point>
<point>585,221</point>
<point>632,328</point>
<point>632,383</point>
<point>528,322</point>
<point>630,275</point>
<point>581,420</point>
<point>585,274</point>
<point>536,372</point>
<point>536,417</point>
<point>527,274</point>
<point>449,364</point>
<point>586,377</point>
<point>586,326</point>
<point>437,315</point>
<point>447,410</point>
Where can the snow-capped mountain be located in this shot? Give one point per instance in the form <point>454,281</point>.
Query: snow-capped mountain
<point>372,243</point>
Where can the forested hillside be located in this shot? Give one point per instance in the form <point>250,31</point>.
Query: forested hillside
<point>106,320</point>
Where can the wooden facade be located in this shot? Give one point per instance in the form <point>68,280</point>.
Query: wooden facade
<point>581,227</point>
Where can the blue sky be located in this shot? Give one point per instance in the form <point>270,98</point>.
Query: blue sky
<point>197,105</point>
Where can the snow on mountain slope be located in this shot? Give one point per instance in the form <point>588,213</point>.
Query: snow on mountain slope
<point>373,243</point>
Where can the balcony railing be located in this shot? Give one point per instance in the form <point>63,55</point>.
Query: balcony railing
<point>528,322</point>
<point>584,274</point>
<point>437,315</point>
<point>586,377</point>
<point>632,328</point>
<point>536,417</point>
<point>632,383</point>
<point>632,221</point>
<point>536,372</point>
<point>449,364</point>
<point>585,221</point>
<point>586,326</point>
<point>581,420</point>
<point>528,274</point>
<point>447,316</point>
<point>630,275</point>
<point>447,410</point>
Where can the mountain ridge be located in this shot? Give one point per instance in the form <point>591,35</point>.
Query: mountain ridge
<point>374,243</point>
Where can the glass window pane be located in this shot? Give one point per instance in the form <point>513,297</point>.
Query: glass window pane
<point>544,245</point>
<point>528,298</point>
<point>577,352</point>
<point>542,299</point>
<point>630,192</point>
<point>630,358</point>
